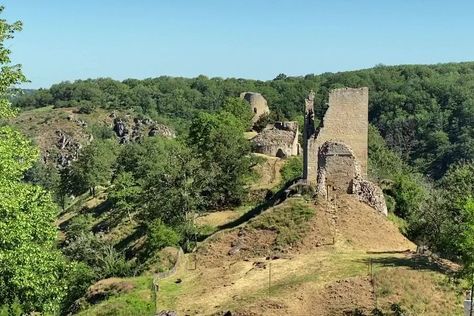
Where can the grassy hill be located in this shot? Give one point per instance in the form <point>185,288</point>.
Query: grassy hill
<point>297,258</point>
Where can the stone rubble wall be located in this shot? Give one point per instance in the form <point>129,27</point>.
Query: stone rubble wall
<point>369,193</point>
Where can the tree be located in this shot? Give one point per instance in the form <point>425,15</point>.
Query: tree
<point>240,109</point>
<point>94,167</point>
<point>218,140</point>
<point>125,194</point>
<point>467,238</point>
<point>31,268</point>
<point>174,186</point>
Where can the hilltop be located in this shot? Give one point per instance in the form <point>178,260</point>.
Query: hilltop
<point>142,168</point>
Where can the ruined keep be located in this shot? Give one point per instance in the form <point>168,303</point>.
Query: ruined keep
<point>278,140</point>
<point>257,103</point>
<point>335,153</point>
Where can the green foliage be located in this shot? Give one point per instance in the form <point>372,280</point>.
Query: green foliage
<point>31,269</point>
<point>98,254</point>
<point>86,107</point>
<point>173,183</point>
<point>289,222</point>
<point>112,263</point>
<point>125,194</point>
<point>219,142</point>
<point>94,167</point>
<point>78,225</point>
<point>102,132</point>
<point>467,238</point>
<point>13,309</point>
<point>292,169</point>
<point>79,278</point>
<point>240,109</point>
<point>160,235</point>
<point>459,182</point>
<point>46,176</point>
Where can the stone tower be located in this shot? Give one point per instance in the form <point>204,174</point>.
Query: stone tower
<point>345,121</point>
<point>308,138</point>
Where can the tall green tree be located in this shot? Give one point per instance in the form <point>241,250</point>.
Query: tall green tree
<point>93,168</point>
<point>218,140</point>
<point>31,268</point>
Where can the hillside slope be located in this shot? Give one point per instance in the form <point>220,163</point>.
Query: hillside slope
<point>253,269</point>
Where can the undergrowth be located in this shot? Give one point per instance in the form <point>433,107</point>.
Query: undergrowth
<point>289,221</point>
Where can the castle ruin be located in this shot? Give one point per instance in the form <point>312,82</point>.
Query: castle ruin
<point>258,104</point>
<point>277,140</point>
<point>335,153</point>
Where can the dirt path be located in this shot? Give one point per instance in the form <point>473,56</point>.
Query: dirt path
<point>269,172</point>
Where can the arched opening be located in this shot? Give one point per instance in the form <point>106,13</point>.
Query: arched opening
<point>280,153</point>
<point>337,166</point>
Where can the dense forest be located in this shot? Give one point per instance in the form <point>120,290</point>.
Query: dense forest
<point>425,113</point>
<point>421,148</point>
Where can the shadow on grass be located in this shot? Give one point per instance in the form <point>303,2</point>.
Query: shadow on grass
<point>415,262</point>
<point>273,200</point>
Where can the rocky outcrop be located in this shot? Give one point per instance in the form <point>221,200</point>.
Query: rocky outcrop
<point>140,128</point>
<point>67,150</point>
<point>370,194</point>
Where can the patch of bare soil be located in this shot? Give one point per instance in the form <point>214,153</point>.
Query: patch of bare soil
<point>335,298</point>
<point>235,245</point>
<point>361,227</point>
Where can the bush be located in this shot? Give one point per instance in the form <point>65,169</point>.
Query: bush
<point>160,235</point>
<point>293,169</point>
<point>103,132</point>
<point>111,263</point>
<point>79,225</point>
<point>79,278</point>
<point>86,107</point>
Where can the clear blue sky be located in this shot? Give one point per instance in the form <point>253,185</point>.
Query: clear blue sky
<point>78,39</point>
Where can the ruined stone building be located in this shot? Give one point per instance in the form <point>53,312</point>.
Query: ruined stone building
<point>257,103</point>
<point>278,140</point>
<point>335,153</point>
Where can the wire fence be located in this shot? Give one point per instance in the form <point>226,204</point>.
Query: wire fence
<point>165,274</point>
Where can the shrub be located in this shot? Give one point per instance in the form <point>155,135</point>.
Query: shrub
<point>86,107</point>
<point>79,225</point>
<point>111,263</point>
<point>160,235</point>
<point>292,169</point>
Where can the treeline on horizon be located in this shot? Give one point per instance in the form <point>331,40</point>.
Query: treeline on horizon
<point>424,112</point>
<point>421,140</point>
<point>421,146</point>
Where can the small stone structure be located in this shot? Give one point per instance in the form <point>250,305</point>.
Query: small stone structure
<point>257,103</point>
<point>335,153</point>
<point>279,140</point>
<point>337,167</point>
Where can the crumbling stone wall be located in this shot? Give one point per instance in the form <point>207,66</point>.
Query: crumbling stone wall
<point>369,193</point>
<point>258,104</point>
<point>345,121</point>
<point>337,167</point>
<point>335,154</point>
<point>279,140</point>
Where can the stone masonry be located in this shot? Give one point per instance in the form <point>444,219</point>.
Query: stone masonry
<point>335,154</point>
<point>257,103</point>
<point>278,140</point>
<point>345,121</point>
